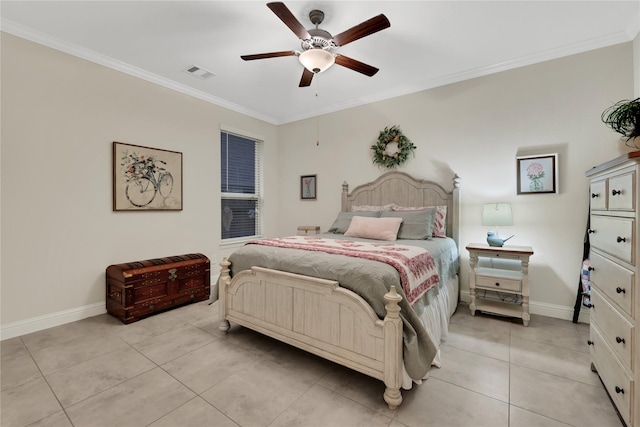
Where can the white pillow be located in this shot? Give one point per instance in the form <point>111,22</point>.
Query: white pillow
<point>374,228</point>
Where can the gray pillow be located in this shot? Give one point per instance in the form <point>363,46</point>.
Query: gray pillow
<point>416,224</point>
<point>342,222</point>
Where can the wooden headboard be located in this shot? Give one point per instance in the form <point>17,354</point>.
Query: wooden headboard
<point>404,190</point>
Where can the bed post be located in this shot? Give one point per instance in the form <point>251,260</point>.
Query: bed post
<point>223,282</point>
<point>392,349</point>
<point>456,211</point>
<point>345,193</point>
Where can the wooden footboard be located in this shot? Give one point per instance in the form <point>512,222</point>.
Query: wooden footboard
<point>320,317</point>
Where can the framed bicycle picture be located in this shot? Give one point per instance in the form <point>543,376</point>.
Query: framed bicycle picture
<point>146,179</point>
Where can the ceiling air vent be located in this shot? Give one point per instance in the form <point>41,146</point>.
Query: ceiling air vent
<point>199,72</point>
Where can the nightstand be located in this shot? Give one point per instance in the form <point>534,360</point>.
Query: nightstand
<point>504,270</point>
<point>307,230</point>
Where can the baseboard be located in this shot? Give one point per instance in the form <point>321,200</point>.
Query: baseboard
<point>546,309</point>
<point>35,324</point>
<point>39,323</point>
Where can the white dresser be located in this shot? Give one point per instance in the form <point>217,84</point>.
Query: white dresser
<point>615,263</point>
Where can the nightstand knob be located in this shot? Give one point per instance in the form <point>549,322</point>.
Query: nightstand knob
<point>497,284</point>
<point>620,340</point>
<point>619,390</point>
<point>594,195</point>
<point>621,239</point>
<point>589,342</point>
<point>615,192</point>
<point>591,231</point>
<point>620,290</point>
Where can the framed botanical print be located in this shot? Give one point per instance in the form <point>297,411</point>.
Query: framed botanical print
<point>308,187</point>
<point>537,174</point>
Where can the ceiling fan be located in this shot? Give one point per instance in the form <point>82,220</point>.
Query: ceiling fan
<point>317,44</point>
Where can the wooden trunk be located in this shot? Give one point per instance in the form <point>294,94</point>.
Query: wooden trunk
<point>135,290</point>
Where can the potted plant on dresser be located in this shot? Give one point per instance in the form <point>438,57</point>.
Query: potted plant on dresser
<point>624,118</point>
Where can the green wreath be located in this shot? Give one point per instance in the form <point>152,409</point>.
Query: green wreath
<point>388,135</point>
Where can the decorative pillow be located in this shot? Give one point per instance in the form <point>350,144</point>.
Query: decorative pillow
<point>416,224</point>
<point>372,208</point>
<point>341,224</point>
<point>374,228</point>
<point>440,223</point>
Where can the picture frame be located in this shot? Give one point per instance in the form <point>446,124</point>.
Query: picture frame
<point>146,178</point>
<point>537,174</point>
<point>308,187</point>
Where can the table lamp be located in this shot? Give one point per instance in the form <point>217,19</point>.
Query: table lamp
<point>496,214</point>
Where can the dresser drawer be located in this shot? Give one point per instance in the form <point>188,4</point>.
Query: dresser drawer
<point>616,330</point>
<point>598,194</point>
<point>617,382</point>
<point>615,281</point>
<point>613,235</point>
<point>622,192</point>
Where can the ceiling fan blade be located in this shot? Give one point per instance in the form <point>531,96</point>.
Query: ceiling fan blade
<point>358,66</point>
<point>307,76</point>
<point>290,21</point>
<point>364,29</point>
<point>268,55</point>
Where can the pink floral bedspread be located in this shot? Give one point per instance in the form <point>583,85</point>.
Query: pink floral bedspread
<point>415,265</point>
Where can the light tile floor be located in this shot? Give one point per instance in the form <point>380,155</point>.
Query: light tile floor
<point>178,369</point>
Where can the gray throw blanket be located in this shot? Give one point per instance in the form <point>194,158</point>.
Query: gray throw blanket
<point>369,279</point>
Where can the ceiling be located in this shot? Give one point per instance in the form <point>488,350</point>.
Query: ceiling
<point>429,44</point>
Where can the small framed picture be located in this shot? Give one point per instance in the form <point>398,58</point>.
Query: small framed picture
<point>308,186</point>
<point>538,174</point>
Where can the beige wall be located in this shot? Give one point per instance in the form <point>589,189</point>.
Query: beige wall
<point>476,129</point>
<point>60,115</point>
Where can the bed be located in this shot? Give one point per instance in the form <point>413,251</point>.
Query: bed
<point>354,312</point>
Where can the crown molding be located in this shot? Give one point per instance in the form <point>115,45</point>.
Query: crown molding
<point>21,31</point>
<point>543,56</point>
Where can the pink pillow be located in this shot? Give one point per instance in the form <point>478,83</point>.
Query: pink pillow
<point>374,228</point>
<point>440,223</point>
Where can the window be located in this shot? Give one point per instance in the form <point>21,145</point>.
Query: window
<point>241,186</point>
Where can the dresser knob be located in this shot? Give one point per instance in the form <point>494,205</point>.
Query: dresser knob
<point>621,239</point>
<point>594,195</point>
<point>497,284</point>
<point>620,340</point>
<point>619,390</point>
<point>615,192</point>
<point>589,342</point>
<point>591,231</point>
<point>620,290</point>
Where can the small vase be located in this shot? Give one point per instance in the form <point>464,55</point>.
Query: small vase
<point>535,185</point>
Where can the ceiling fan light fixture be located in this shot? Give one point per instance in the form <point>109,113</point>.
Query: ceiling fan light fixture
<point>316,60</point>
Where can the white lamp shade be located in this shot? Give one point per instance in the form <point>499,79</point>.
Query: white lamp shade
<point>497,214</point>
<point>316,60</point>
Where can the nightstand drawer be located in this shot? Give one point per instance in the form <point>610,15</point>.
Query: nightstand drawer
<point>616,329</point>
<point>498,283</point>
